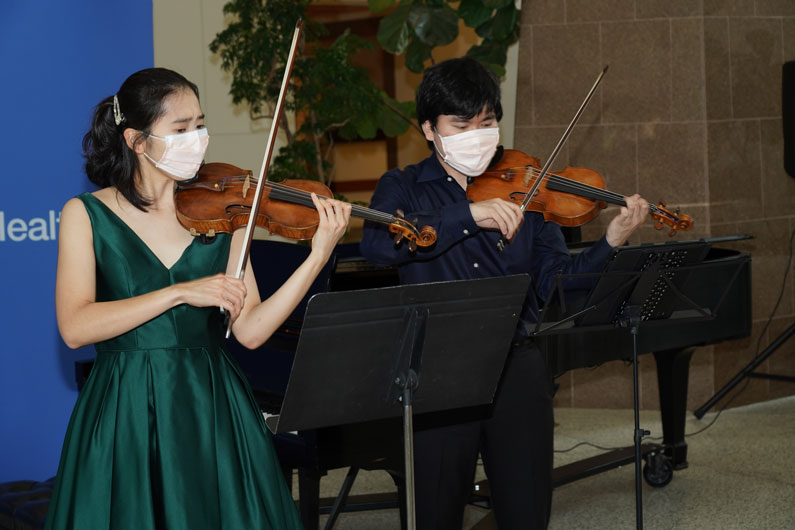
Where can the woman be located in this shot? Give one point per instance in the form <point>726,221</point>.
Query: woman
<point>165,433</point>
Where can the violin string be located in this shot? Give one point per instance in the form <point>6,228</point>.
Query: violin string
<point>573,184</point>
<point>294,195</point>
<point>612,197</point>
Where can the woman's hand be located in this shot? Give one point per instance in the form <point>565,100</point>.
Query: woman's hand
<point>627,221</point>
<point>334,216</point>
<point>260,319</point>
<point>219,290</point>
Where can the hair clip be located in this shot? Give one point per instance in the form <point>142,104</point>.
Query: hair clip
<point>118,117</point>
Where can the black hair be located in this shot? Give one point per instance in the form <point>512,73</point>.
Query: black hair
<point>457,87</point>
<point>141,98</point>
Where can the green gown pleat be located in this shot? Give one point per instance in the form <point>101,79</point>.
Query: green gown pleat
<point>165,433</point>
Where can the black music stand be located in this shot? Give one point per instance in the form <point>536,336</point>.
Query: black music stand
<point>382,353</point>
<point>639,285</point>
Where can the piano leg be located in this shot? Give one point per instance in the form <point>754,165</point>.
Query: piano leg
<point>673,370</point>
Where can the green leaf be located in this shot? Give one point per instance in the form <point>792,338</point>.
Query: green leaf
<point>474,12</point>
<point>485,30</point>
<point>497,4</point>
<point>504,22</point>
<point>435,26</point>
<point>376,6</point>
<point>394,30</point>
<point>416,55</point>
<point>492,55</point>
<point>348,131</point>
<point>366,127</point>
<point>393,116</point>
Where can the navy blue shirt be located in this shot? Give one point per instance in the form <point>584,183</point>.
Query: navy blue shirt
<point>463,251</point>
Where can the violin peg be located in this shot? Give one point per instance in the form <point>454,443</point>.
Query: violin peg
<point>413,245</point>
<point>662,203</point>
<point>658,226</point>
<point>672,233</point>
<point>398,238</point>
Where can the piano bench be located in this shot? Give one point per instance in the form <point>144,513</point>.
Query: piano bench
<point>24,503</point>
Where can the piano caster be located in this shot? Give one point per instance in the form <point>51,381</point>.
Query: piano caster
<point>658,470</point>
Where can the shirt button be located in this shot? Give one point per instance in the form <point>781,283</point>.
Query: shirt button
<point>466,232</point>
<point>475,265</point>
<point>449,179</point>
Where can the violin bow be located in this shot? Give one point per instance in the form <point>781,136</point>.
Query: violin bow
<point>245,251</point>
<point>532,191</point>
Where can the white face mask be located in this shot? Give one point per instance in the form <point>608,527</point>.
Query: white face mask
<point>183,154</point>
<point>469,152</point>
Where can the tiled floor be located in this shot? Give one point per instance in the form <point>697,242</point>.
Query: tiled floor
<point>741,475</point>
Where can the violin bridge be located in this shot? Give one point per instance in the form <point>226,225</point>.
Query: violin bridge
<point>246,186</point>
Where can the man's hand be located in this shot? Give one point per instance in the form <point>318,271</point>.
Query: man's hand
<point>627,221</point>
<point>497,214</point>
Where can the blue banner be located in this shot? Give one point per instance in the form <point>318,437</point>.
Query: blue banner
<point>58,59</point>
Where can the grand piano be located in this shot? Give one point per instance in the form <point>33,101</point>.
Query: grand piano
<point>377,445</point>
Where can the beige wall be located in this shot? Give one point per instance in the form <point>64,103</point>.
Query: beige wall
<point>689,111</point>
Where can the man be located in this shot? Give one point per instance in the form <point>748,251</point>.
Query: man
<point>458,108</point>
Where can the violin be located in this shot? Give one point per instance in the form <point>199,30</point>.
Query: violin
<point>219,200</point>
<point>571,197</point>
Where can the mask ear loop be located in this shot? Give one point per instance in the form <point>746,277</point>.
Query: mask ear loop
<point>441,150</point>
<point>148,136</point>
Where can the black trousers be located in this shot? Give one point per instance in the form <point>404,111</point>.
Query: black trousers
<point>515,439</point>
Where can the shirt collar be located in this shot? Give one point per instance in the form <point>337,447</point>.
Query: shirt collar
<point>431,169</point>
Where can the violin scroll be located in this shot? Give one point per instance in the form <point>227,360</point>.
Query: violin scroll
<point>664,217</point>
<point>424,237</point>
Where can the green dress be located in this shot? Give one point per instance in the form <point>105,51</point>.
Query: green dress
<point>165,433</point>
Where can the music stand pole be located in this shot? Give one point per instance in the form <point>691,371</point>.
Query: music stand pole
<point>408,451</point>
<point>631,318</point>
